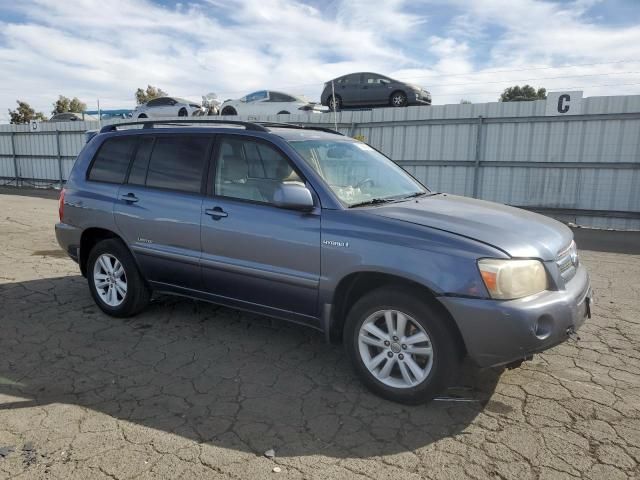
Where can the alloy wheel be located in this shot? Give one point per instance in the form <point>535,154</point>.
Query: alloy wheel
<point>110,280</point>
<point>395,349</point>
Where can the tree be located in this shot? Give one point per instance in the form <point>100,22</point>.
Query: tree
<point>63,104</point>
<point>465,102</point>
<point>24,113</point>
<point>522,94</point>
<point>143,96</point>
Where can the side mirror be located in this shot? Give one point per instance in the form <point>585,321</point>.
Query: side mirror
<point>293,196</point>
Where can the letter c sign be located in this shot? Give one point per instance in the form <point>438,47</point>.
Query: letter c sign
<point>563,103</point>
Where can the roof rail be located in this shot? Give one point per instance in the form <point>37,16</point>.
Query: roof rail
<point>150,124</point>
<point>298,126</point>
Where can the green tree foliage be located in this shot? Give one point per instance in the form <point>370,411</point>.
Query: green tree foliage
<point>465,102</point>
<point>143,96</point>
<point>24,113</point>
<point>523,94</point>
<point>64,104</point>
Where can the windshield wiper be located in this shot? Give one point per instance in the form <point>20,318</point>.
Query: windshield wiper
<point>373,201</point>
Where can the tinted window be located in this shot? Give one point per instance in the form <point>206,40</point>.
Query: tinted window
<point>376,79</point>
<point>138,172</point>
<point>280,97</point>
<point>177,163</point>
<point>112,160</point>
<point>155,102</point>
<point>250,170</point>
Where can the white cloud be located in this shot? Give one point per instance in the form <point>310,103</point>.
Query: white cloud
<point>106,49</point>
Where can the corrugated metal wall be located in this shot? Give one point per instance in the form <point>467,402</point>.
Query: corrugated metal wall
<point>582,168</point>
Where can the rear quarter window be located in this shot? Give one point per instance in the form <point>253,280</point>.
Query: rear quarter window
<point>112,160</point>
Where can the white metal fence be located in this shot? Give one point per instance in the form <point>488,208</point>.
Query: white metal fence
<point>583,168</point>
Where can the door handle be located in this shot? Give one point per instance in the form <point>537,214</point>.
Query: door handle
<point>216,213</point>
<point>129,197</point>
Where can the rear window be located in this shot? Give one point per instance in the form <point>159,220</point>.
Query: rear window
<point>177,163</point>
<point>112,160</point>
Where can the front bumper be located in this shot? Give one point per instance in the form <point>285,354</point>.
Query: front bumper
<point>497,332</point>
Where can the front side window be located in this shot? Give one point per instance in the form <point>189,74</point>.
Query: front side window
<point>177,163</point>
<point>280,97</point>
<point>356,172</point>
<point>256,96</point>
<point>376,79</point>
<point>112,160</point>
<point>250,170</point>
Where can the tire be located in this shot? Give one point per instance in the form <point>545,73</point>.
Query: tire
<point>143,115</point>
<point>398,99</point>
<point>229,111</point>
<point>334,106</point>
<point>438,369</point>
<point>283,112</point>
<point>137,293</point>
<point>183,112</point>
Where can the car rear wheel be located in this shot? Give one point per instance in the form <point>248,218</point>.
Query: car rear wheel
<point>229,111</point>
<point>143,115</point>
<point>401,347</point>
<point>398,99</point>
<point>183,112</point>
<point>114,280</point>
<point>283,112</point>
<point>335,103</point>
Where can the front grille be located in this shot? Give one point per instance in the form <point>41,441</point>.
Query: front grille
<point>567,261</point>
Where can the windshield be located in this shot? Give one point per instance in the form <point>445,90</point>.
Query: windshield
<point>357,173</point>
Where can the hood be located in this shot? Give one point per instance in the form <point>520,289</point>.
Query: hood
<point>517,232</point>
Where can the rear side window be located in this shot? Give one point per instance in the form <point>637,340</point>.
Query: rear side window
<point>112,160</point>
<point>177,163</point>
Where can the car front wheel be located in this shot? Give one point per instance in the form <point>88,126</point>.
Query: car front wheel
<point>114,280</point>
<point>398,99</point>
<point>401,347</point>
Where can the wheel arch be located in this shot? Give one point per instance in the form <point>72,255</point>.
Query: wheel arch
<point>90,238</point>
<point>354,285</point>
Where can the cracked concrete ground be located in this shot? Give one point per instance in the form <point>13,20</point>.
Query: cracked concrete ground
<point>190,390</point>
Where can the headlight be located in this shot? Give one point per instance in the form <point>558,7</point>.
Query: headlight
<point>509,279</point>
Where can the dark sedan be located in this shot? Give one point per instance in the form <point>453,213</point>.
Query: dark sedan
<point>371,89</point>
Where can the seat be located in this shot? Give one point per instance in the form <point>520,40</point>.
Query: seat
<point>233,180</point>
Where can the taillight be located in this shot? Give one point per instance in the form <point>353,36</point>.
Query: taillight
<point>61,204</point>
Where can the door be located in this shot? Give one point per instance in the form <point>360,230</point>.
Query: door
<point>158,208</point>
<point>348,88</point>
<point>253,252</point>
<point>374,89</point>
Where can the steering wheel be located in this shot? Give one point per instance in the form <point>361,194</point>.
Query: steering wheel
<point>362,183</point>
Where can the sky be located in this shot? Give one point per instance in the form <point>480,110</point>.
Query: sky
<point>457,49</point>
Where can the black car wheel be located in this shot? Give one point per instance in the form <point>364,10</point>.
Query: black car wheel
<point>115,282</point>
<point>335,103</point>
<point>142,115</point>
<point>229,111</point>
<point>398,99</point>
<point>283,112</point>
<point>183,112</point>
<point>400,345</point>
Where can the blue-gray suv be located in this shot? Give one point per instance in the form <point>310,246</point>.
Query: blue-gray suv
<point>310,226</point>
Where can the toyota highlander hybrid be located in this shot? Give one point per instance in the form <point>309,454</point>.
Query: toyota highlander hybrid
<point>310,226</point>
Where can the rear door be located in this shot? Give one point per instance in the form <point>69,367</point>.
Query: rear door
<point>348,88</point>
<point>253,252</point>
<point>158,208</point>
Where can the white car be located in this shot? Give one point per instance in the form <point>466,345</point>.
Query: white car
<point>167,107</point>
<point>268,102</point>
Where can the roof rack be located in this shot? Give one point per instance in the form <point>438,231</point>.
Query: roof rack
<point>151,123</point>
<point>298,126</point>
